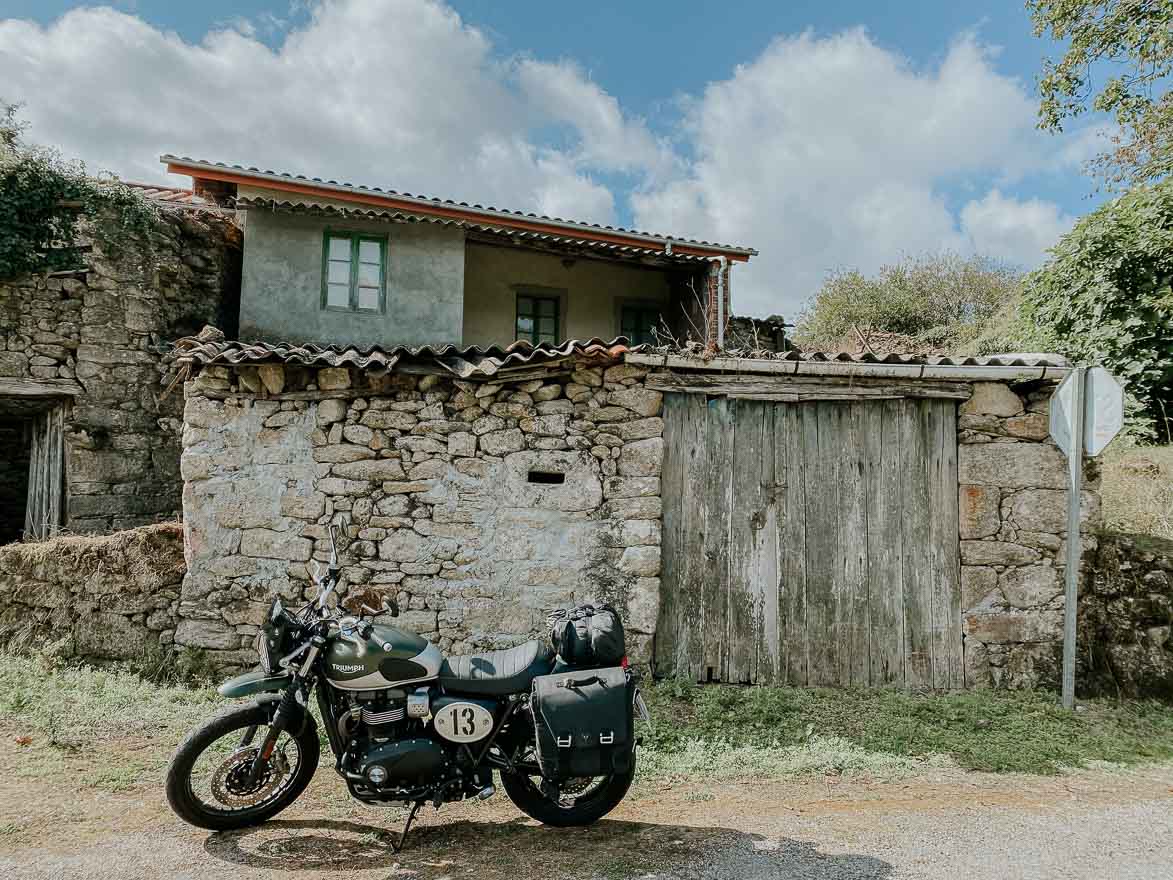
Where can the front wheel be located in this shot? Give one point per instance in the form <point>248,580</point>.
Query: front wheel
<point>575,802</point>
<point>208,782</point>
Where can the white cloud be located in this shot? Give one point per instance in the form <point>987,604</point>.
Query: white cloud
<point>832,152</point>
<point>398,93</point>
<point>821,152</point>
<point>1017,230</point>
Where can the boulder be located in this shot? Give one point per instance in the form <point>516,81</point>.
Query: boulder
<point>1012,465</point>
<point>978,509</point>
<point>992,398</point>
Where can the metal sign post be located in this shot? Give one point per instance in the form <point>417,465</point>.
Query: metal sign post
<point>1087,411</point>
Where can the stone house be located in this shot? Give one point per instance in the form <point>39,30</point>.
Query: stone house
<point>336,263</point>
<point>90,439</point>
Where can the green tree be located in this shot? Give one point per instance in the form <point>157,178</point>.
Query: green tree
<point>1118,60</point>
<point>937,300</point>
<point>1104,297</point>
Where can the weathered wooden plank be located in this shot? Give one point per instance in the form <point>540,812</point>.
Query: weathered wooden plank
<point>853,543</point>
<point>885,550</point>
<point>719,443</point>
<point>667,639</point>
<point>803,387</point>
<point>745,510</point>
<point>56,454</point>
<point>693,522</point>
<point>945,568</point>
<point>918,592</point>
<point>822,535</point>
<point>39,388</point>
<point>792,547</point>
<point>769,660</point>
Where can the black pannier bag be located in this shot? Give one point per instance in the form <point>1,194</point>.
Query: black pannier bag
<point>588,635</point>
<point>585,722</point>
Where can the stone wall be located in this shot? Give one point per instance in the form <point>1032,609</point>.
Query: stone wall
<point>1013,506</point>
<point>1126,619</point>
<point>479,506</point>
<point>105,328</point>
<point>110,597</point>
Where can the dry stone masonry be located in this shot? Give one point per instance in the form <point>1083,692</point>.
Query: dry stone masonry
<point>478,505</point>
<point>1126,619</point>
<point>104,329</point>
<point>1013,523</point>
<point>114,597</point>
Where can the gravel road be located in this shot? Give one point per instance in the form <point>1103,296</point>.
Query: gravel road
<point>1094,824</point>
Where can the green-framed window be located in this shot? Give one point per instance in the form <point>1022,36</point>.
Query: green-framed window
<point>537,318</point>
<point>354,272</point>
<point>637,321</point>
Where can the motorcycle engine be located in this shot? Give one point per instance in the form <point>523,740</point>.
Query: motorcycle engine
<point>375,715</point>
<point>391,750</point>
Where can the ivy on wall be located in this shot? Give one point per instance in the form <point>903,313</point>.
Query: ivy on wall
<point>45,200</point>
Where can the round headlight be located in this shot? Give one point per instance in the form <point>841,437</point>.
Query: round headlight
<point>263,653</point>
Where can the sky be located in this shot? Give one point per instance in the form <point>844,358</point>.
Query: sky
<point>841,134</point>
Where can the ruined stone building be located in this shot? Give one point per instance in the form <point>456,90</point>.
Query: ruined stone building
<point>91,440</point>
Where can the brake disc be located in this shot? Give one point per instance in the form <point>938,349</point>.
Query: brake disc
<point>577,785</point>
<point>230,785</point>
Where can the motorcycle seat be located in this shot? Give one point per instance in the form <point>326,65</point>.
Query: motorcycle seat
<point>497,673</point>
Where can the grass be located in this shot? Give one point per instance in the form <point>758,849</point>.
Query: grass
<point>790,731</point>
<point>130,726</point>
<point>1137,490</point>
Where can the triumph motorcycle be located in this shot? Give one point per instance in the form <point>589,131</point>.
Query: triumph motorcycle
<point>405,724</point>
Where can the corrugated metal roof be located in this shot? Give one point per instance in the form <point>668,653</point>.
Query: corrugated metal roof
<point>519,236</point>
<point>463,362</point>
<point>995,368</point>
<point>1018,359</point>
<point>424,202</point>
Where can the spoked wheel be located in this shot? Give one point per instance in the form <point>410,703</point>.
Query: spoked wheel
<point>210,784</point>
<point>578,801</point>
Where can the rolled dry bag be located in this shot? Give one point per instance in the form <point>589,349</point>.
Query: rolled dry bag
<point>589,635</point>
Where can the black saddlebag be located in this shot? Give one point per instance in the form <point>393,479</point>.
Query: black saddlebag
<point>585,722</point>
<point>589,635</point>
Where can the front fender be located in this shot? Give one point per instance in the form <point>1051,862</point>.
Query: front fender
<point>255,682</point>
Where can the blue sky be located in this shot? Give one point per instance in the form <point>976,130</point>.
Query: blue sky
<point>825,134</point>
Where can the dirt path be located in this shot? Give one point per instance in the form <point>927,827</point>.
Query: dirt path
<point>1089,825</point>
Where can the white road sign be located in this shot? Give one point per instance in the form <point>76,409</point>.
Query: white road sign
<point>1087,411</point>
<point>1103,410</point>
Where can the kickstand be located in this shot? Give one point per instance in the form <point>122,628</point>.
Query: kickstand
<point>396,848</point>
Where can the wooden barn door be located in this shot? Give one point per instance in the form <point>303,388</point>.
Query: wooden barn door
<point>811,543</point>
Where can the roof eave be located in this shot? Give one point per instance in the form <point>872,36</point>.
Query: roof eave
<point>210,171</point>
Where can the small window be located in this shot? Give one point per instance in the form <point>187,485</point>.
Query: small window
<point>637,323</point>
<point>355,272</point>
<point>537,318</point>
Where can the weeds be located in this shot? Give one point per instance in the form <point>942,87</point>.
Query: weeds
<point>711,732</point>
<point>1137,490</point>
<point>888,733</point>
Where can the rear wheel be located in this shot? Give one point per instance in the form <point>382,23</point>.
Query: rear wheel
<point>209,784</point>
<point>580,801</point>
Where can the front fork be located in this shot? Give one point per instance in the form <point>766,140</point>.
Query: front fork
<point>289,711</point>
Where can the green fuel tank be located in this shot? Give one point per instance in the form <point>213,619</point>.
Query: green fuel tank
<point>388,657</point>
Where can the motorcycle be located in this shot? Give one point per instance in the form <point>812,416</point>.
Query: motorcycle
<point>405,724</point>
